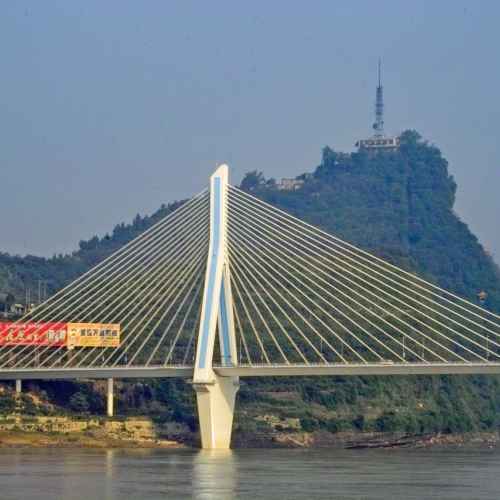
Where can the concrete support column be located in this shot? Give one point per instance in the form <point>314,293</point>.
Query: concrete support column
<point>216,395</point>
<point>215,402</point>
<point>19,386</point>
<point>109,399</point>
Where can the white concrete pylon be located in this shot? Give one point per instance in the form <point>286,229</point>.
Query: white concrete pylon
<point>216,395</point>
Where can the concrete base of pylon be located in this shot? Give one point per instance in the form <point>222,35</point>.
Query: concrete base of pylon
<point>215,411</point>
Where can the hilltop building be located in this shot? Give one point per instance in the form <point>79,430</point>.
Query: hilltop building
<point>289,184</point>
<point>379,141</point>
<point>286,184</point>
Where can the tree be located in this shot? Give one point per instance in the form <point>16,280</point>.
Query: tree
<point>79,402</point>
<point>252,180</point>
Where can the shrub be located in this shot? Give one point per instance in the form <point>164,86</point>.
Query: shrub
<point>334,425</point>
<point>309,424</point>
<point>79,402</point>
<point>7,403</point>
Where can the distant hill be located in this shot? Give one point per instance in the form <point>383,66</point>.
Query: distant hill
<point>18,273</point>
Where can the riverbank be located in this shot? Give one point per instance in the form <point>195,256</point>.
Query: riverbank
<point>92,432</point>
<point>21,439</point>
<point>367,440</point>
<point>360,441</point>
<point>142,432</point>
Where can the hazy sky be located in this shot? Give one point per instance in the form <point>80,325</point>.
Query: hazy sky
<point>111,108</point>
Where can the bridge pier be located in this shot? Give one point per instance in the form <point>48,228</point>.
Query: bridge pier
<point>215,401</point>
<point>19,386</point>
<point>109,398</point>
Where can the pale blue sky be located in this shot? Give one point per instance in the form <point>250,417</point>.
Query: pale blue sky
<point>111,108</point>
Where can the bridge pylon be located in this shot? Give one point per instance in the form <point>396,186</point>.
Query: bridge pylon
<point>215,394</point>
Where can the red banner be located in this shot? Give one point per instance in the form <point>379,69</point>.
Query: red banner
<point>44,334</point>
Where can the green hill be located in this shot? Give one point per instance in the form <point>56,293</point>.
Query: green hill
<point>19,273</point>
<point>397,205</point>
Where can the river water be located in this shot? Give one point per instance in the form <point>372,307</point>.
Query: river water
<point>78,474</point>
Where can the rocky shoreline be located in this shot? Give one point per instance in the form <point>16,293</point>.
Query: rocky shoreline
<point>20,439</point>
<point>50,431</point>
<point>135,432</point>
<point>367,440</point>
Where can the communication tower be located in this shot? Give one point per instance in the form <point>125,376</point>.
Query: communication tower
<point>379,141</point>
<point>378,126</point>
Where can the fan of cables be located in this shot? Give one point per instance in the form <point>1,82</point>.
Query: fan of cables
<point>151,288</point>
<point>302,295</point>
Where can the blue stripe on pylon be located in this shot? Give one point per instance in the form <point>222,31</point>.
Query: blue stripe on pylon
<point>226,345</point>
<point>212,272</point>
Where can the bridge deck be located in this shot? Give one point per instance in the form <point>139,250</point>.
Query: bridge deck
<point>256,371</point>
<point>360,369</point>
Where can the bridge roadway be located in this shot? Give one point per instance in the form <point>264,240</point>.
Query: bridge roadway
<point>303,370</point>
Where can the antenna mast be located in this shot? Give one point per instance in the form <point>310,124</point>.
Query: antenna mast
<point>379,141</point>
<point>378,126</point>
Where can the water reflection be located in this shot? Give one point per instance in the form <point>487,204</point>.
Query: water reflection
<point>110,454</point>
<point>214,474</point>
<point>76,474</point>
<point>110,458</point>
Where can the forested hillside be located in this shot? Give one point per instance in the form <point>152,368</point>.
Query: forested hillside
<point>18,273</point>
<point>397,205</point>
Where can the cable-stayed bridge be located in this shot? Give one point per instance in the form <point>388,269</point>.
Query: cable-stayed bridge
<point>227,286</point>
